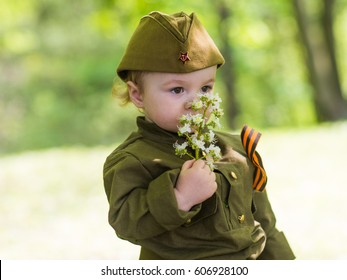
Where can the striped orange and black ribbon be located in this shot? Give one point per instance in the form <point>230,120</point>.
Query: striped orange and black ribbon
<point>250,139</point>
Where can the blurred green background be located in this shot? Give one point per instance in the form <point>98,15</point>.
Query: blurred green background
<point>286,75</point>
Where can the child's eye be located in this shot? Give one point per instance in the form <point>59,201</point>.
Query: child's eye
<point>177,90</point>
<point>206,89</point>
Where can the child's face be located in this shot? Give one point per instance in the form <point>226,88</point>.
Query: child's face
<point>165,97</point>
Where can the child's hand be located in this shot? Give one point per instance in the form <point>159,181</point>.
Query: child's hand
<point>195,184</point>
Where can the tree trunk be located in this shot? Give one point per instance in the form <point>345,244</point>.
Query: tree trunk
<point>227,73</point>
<point>315,22</point>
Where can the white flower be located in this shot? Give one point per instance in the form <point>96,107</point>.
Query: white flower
<point>210,163</point>
<point>197,119</point>
<point>185,129</point>
<point>197,144</point>
<point>197,129</point>
<point>185,118</point>
<point>181,146</point>
<point>180,149</point>
<point>197,105</point>
<point>213,151</point>
<point>214,123</point>
<point>209,136</point>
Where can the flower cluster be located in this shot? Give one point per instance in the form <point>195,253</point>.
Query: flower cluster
<point>198,127</point>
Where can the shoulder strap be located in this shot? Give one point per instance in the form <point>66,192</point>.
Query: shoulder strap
<point>250,139</point>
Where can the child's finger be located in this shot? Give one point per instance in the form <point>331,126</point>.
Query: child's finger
<point>188,164</point>
<point>199,163</point>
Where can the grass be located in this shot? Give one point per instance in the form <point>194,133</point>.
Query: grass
<point>53,204</point>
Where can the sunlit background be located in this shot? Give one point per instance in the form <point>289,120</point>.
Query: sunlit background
<point>58,120</point>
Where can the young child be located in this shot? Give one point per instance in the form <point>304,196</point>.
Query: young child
<point>176,207</point>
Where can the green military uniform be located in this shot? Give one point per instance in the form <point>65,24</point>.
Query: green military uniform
<point>235,223</point>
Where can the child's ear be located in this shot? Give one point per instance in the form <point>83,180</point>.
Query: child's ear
<point>135,94</point>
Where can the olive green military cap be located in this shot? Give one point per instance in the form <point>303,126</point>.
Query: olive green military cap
<point>176,43</point>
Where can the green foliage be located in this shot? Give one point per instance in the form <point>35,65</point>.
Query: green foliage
<point>58,61</point>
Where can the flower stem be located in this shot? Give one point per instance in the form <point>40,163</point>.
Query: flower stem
<point>197,153</point>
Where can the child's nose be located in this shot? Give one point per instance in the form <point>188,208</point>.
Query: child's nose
<point>188,105</point>
<point>192,97</point>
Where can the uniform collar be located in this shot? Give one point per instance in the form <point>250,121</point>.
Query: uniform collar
<point>155,133</point>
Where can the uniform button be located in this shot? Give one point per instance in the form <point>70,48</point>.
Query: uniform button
<point>241,218</point>
<point>188,221</point>
<point>233,175</point>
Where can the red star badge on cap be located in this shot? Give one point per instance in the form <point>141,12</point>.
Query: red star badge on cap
<point>184,57</point>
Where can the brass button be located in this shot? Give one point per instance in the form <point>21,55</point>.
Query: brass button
<point>241,218</point>
<point>233,175</point>
<point>188,221</point>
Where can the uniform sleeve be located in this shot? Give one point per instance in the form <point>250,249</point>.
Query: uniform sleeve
<point>277,246</point>
<point>142,207</point>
